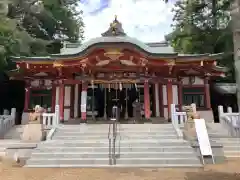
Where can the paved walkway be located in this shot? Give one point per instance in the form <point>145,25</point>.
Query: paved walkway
<point>214,172</point>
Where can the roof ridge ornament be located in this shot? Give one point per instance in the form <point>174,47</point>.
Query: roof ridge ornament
<point>115,29</point>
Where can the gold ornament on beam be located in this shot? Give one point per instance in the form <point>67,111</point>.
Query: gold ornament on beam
<point>143,61</point>
<point>113,54</point>
<point>57,64</point>
<point>171,62</point>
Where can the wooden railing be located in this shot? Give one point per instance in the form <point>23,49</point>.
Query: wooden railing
<point>178,119</point>
<point>7,122</point>
<point>51,119</point>
<point>230,121</point>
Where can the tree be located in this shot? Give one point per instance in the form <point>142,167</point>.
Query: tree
<point>49,20</point>
<point>203,27</point>
<point>32,27</point>
<point>235,14</point>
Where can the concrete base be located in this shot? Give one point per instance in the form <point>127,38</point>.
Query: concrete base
<point>217,150</point>
<point>33,132</point>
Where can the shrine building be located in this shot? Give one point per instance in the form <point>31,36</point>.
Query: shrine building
<point>87,79</point>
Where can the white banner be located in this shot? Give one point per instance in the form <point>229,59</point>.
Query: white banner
<point>203,139</point>
<point>83,108</point>
<point>84,101</point>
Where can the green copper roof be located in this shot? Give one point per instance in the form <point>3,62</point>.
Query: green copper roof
<point>119,39</point>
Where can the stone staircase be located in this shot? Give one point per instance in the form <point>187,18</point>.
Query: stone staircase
<point>137,145</point>
<point>231,145</point>
<point>14,133</point>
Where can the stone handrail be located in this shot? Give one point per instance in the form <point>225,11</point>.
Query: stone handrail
<point>7,122</point>
<point>230,121</point>
<point>51,119</point>
<point>178,119</point>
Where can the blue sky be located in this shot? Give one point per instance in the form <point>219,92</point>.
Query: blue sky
<point>147,20</point>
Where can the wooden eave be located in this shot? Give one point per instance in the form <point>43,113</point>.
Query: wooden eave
<point>124,47</point>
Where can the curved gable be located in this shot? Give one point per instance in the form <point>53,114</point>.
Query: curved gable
<point>119,39</point>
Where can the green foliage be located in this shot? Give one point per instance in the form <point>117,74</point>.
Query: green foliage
<point>35,27</point>
<point>203,27</point>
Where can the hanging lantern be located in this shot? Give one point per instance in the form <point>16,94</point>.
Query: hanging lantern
<point>120,86</point>
<point>41,82</point>
<point>192,80</point>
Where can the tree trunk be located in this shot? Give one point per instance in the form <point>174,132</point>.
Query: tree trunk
<point>235,14</point>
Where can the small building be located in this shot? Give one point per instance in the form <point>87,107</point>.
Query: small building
<point>88,79</point>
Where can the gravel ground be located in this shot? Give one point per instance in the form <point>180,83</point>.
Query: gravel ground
<point>227,171</point>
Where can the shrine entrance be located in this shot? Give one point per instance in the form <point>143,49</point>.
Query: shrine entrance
<point>123,99</point>
<point>103,97</point>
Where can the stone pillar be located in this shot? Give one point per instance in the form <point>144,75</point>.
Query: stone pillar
<point>207,94</point>
<point>157,109</point>
<point>61,101</point>
<point>76,92</point>
<point>27,99</point>
<point>146,100</point>
<point>169,97</point>
<point>84,101</point>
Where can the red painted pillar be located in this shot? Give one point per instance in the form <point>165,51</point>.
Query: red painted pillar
<point>27,98</point>
<point>79,98</point>
<point>61,101</point>
<point>207,94</point>
<point>169,97</point>
<point>146,100</point>
<point>180,94</point>
<point>84,101</point>
<point>72,97</point>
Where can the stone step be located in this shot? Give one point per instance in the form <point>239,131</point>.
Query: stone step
<point>123,137</point>
<point>231,147</point>
<point>88,133</point>
<point>15,132</point>
<point>124,143</point>
<point>63,149</point>
<point>16,144</point>
<point>124,126</point>
<point>133,161</point>
<point>126,154</point>
<point>217,135</point>
<point>106,140</point>
<point>227,140</point>
<point>232,153</point>
<point>144,145</point>
<point>114,166</point>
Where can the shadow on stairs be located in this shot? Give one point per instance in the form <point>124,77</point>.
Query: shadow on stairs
<point>154,120</point>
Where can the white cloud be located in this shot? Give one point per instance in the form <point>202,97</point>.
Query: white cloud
<point>147,20</point>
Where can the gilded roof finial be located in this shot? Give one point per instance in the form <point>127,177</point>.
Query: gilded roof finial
<point>115,29</point>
